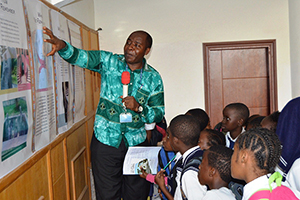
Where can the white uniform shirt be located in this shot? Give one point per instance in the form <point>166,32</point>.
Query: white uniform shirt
<point>190,183</point>
<point>293,176</point>
<point>228,138</point>
<point>262,183</point>
<point>222,193</point>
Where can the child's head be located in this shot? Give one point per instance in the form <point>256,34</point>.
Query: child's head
<point>256,153</point>
<point>201,116</point>
<point>254,121</point>
<point>210,137</point>
<point>215,167</point>
<point>234,116</point>
<point>184,132</point>
<point>270,122</point>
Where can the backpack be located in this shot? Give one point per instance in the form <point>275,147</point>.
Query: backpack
<point>163,158</point>
<point>281,192</point>
<point>193,164</point>
<point>237,188</point>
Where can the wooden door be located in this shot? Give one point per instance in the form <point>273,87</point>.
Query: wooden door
<point>240,72</point>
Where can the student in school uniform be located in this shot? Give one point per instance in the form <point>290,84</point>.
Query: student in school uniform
<point>214,171</point>
<point>184,133</point>
<point>207,139</point>
<point>288,131</point>
<point>235,116</point>
<point>166,161</point>
<point>256,154</point>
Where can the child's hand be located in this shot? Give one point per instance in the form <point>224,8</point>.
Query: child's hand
<point>143,174</point>
<point>160,178</point>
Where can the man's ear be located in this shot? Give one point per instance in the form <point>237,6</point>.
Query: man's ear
<point>147,51</point>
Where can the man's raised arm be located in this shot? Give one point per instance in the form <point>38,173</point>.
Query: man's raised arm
<point>57,44</point>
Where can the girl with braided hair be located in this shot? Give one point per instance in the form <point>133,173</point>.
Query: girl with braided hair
<point>214,171</point>
<point>256,155</point>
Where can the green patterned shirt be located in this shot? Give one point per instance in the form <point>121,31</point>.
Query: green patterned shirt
<point>145,85</point>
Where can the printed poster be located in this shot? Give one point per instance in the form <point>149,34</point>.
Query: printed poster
<point>45,124</point>
<point>15,90</point>
<point>64,78</point>
<point>78,75</point>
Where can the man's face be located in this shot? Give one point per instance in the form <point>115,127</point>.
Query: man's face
<point>135,48</point>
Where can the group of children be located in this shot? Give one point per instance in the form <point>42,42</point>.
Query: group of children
<point>235,160</point>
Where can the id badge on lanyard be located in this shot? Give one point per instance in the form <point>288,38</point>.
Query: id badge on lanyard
<point>126,117</point>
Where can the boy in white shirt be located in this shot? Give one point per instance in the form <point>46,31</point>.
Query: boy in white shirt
<point>235,116</point>
<point>184,133</point>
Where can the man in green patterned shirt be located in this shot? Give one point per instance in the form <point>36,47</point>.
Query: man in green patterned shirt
<point>144,103</point>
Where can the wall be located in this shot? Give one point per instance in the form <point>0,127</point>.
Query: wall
<point>294,18</point>
<point>82,10</point>
<point>180,27</point>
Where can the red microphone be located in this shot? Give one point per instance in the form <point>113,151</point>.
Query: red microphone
<point>125,79</point>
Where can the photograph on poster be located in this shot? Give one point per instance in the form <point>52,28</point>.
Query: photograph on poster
<point>8,67</point>
<point>15,126</point>
<point>65,90</point>
<point>43,66</point>
<point>23,75</point>
<point>14,68</point>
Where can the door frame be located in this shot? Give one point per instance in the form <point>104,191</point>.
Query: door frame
<point>270,45</point>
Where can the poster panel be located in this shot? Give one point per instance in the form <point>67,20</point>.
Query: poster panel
<point>15,91</point>
<point>45,124</point>
<point>78,75</point>
<point>64,76</point>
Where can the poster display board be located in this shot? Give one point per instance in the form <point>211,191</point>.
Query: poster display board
<point>40,96</point>
<point>15,89</point>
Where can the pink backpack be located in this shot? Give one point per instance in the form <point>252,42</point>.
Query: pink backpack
<point>281,192</point>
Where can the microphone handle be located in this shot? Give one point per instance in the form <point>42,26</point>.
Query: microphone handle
<point>125,91</point>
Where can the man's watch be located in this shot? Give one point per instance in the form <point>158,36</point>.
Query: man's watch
<point>140,109</point>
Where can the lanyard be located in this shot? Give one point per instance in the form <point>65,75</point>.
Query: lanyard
<point>141,76</point>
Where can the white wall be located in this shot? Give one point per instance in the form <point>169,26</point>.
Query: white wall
<point>179,27</point>
<point>294,16</point>
<point>82,10</point>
